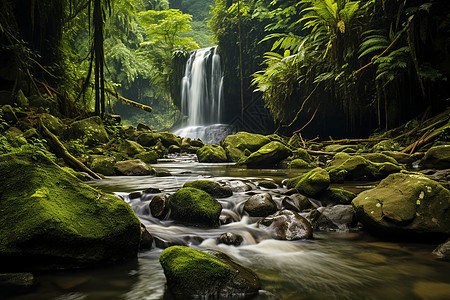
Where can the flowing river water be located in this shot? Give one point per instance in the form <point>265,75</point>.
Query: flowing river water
<point>333,265</point>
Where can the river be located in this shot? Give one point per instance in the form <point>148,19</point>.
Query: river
<point>334,265</point>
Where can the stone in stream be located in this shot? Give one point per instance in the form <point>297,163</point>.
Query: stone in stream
<point>192,273</point>
<point>211,187</point>
<point>334,196</point>
<point>149,157</point>
<point>135,167</point>
<point>267,184</point>
<point>12,284</point>
<point>437,158</point>
<point>244,140</point>
<point>296,203</point>
<point>104,165</point>
<point>310,184</point>
<point>159,206</point>
<point>260,205</point>
<point>211,154</point>
<point>51,220</point>
<point>337,217</point>
<point>287,225</point>
<point>229,238</point>
<point>130,148</point>
<point>191,206</point>
<point>407,205</point>
<point>268,155</point>
<point>443,250</point>
<point>146,238</point>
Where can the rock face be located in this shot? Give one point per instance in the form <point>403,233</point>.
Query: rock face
<point>287,225</point>
<point>192,273</point>
<point>260,205</point>
<point>211,154</point>
<point>211,187</point>
<point>192,206</point>
<point>268,155</point>
<point>135,167</point>
<point>90,130</point>
<point>312,183</point>
<point>405,204</point>
<point>52,220</point>
<point>437,158</point>
<point>346,167</point>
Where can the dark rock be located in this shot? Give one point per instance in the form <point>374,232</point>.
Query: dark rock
<point>163,173</point>
<point>8,114</point>
<point>260,205</point>
<point>143,127</point>
<point>134,195</point>
<point>5,97</point>
<point>130,148</point>
<point>287,225</point>
<point>443,250</point>
<point>15,283</point>
<point>334,196</point>
<point>290,192</point>
<point>159,206</point>
<point>211,154</point>
<point>90,130</point>
<point>193,273</point>
<point>338,217</point>
<point>192,206</point>
<point>146,239</point>
<point>104,165</point>
<point>174,149</point>
<point>211,187</point>
<point>149,157</point>
<point>147,139</point>
<point>197,143</point>
<point>268,155</point>
<point>437,158</point>
<point>296,202</point>
<point>135,167</point>
<point>230,238</point>
<point>151,190</point>
<point>44,103</point>
<point>267,184</point>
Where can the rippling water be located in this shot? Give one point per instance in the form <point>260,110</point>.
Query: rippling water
<point>344,265</point>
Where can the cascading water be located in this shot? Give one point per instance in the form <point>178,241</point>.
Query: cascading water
<point>202,97</point>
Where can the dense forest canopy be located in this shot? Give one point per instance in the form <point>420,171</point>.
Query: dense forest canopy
<point>353,66</point>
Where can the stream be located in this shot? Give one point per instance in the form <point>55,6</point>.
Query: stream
<point>333,265</point>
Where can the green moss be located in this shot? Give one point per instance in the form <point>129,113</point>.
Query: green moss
<point>149,157</point>
<point>211,187</point>
<point>302,154</point>
<point>299,164</point>
<point>313,182</point>
<point>244,140</point>
<point>192,206</point>
<point>268,155</point>
<point>211,153</point>
<point>130,148</point>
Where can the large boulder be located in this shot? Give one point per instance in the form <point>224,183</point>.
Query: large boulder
<point>334,196</point>
<point>149,157</point>
<point>405,204</point>
<point>268,155</point>
<point>437,158</point>
<point>135,167</point>
<point>130,148</point>
<point>51,220</point>
<point>260,205</point>
<point>296,203</point>
<point>104,165</point>
<point>311,183</point>
<point>287,225</point>
<point>211,154</point>
<point>167,139</point>
<point>54,124</point>
<point>386,145</point>
<point>244,140</point>
<point>338,217</point>
<point>346,167</point>
<point>211,187</point>
<point>191,273</point>
<point>90,130</point>
<point>192,206</point>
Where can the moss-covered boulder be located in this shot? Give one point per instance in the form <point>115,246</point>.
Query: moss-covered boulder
<point>130,148</point>
<point>211,154</point>
<point>386,145</point>
<point>287,225</point>
<point>90,130</point>
<point>301,153</point>
<point>211,187</point>
<point>299,164</point>
<point>147,139</point>
<point>191,206</point>
<point>244,140</point>
<point>311,183</point>
<point>149,157</point>
<point>437,158</point>
<point>268,155</point>
<point>341,148</point>
<point>135,167</point>
<point>8,114</point>
<point>234,154</point>
<point>335,196</point>
<point>104,165</point>
<point>54,124</point>
<point>405,204</point>
<point>168,139</point>
<point>346,167</point>
<point>192,273</point>
<point>260,205</point>
<point>50,219</point>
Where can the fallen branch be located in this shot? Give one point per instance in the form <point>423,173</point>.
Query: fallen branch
<point>128,101</point>
<point>61,151</point>
<point>314,152</point>
<point>425,139</point>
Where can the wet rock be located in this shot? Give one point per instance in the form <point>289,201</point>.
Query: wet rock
<point>443,250</point>
<point>296,203</point>
<point>386,145</point>
<point>268,155</point>
<point>211,154</point>
<point>147,139</point>
<point>152,190</point>
<point>104,165</point>
<point>437,158</point>
<point>311,183</point>
<point>334,196</point>
<point>149,157</point>
<point>405,204</point>
<point>211,187</point>
<point>142,127</point>
<point>162,173</point>
<point>299,164</point>
<point>159,206</point>
<point>287,225</point>
<point>197,143</point>
<point>341,148</point>
<point>90,130</point>
<point>174,149</point>
<point>8,114</point>
<point>51,220</point>
<point>192,206</point>
<point>134,195</point>
<point>193,273</point>
<point>400,157</point>
<point>244,140</point>
<point>290,192</point>
<point>267,184</point>
<point>130,148</point>
<point>346,167</point>
<point>223,220</point>
<point>229,238</point>
<point>135,167</point>
<point>302,154</point>
<point>15,283</point>
<point>338,217</point>
<point>146,239</point>
<point>260,205</point>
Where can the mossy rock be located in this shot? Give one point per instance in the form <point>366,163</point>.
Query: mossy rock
<point>8,114</point>
<point>54,124</point>
<point>149,157</point>
<point>211,153</point>
<point>147,139</point>
<point>275,137</point>
<point>234,154</point>
<point>295,141</point>
<point>211,187</point>
<point>104,165</point>
<point>405,204</point>
<point>135,167</point>
<point>168,139</point>
<point>90,130</point>
<point>130,148</point>
<point>386,145</point>
<point>437,158</point>
<point>299,164</point>
<point>335,196</point>
<point>244,140</point>
<point>191,206</point>
<point>51,220</point>
<point>192,273</point>
<point>313,182</point>
<point>268,155</point>
<point>380,158</point>
<point>302,154</point>
<point>342,148</point>
<point>12,284</point>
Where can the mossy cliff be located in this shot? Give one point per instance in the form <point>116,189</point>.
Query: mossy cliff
<point>51,220</point>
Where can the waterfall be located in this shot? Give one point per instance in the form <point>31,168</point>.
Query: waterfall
<point>202,97</point>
